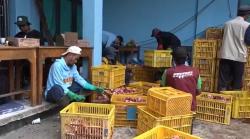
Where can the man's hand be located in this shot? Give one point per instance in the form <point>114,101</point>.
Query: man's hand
<point>75,97</point>
<point>99,90</point>
<point>80,98</point>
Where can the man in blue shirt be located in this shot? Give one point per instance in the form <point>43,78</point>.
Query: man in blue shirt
<point>64,82</point>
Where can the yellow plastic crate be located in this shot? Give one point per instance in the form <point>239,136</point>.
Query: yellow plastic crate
<point>207,83</point>
<point>121,121</point>
<point>210,109</point>
<point>219,44</point>
<point>122,109</point>
<point>214,33</point>
<point>206,67</point>
<point>86,120</point>
<point>158,58</point>
<point>248,58</point>
<point>126,123</point>
<point>108,76</point>
<point>246,84</point>
<point>143,86</point>
<point>142,73</point>
<point>241,103</point>
<point>247,72</point>
<point>163,132</point>
<point>148,119</point>
<point>216,77</point>
<point>204,48</point>
<point>168,101</point>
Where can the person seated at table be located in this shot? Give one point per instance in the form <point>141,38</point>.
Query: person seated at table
<point>25,29</point>
<point>26,32</point>
<point>64,83</point>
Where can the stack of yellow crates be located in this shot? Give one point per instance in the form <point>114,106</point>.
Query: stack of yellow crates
<point>168,107</point>
<point>215,33</point>
<point>246,81</point>
<point>204,58</point>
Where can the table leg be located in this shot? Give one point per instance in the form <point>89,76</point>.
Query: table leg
<point>40,81</point>
<point>11,77</point>
<point>18,73</point>
<point>33,82</point>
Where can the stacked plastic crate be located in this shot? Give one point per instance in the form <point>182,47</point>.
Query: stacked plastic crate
<point>87,121</point>
<point>204,58</point>
<point>214,33</point>
<point>246,81</point>
<point>163,132</point>
<point>214,108</point>
<point>241,103</point>
<point>126,109</point>
<point>143,86</point>
<point>108,76</point>
<point>168,107</point>
<point>158,58</point>
<point>142,73</point>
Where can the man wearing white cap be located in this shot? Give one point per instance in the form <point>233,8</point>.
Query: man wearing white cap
<point>64,82</point>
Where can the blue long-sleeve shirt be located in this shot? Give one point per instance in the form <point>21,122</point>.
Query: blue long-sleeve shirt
<point>63,75</point>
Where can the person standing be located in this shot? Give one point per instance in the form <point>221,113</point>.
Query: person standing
<point>233,52</point>
<point>165,40</point>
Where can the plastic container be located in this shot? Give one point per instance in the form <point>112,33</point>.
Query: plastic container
<point>148,119</point>
<point>158,58</point>
<point>206,67</point>
<point>205,48</point>
<point>214,33</point>
<point>163,132</point>
<point>108,76</point>
<point>214,108</point>
<point>241,103</point>
<point>168,101</point>
<point>143,86</point>
<point>86,120</point>
<point>126,112</point>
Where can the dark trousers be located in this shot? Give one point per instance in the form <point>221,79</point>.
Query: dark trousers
<point>56,93</point>
<point>230,75</point>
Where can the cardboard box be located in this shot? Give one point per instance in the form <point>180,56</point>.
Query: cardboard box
<point>26,42</point>
<point>83,43</point>
<point>70,38</point>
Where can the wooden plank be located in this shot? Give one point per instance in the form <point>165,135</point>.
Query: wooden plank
<point>15,93</point>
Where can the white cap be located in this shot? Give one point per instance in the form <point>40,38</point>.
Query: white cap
<point>73,49</point>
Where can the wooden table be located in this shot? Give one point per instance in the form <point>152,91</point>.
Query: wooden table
<point>44,52</point>
<point>18,53</point>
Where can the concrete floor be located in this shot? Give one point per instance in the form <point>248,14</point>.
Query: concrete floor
<point>50,129</point>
